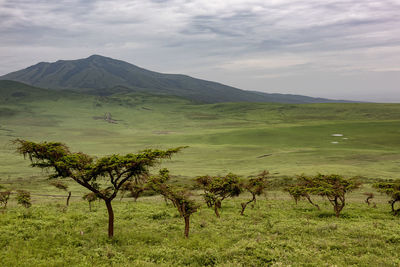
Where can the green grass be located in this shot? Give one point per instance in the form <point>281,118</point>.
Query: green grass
<point>243,138</point>
<point>221,137</point>
<point>148,233</point>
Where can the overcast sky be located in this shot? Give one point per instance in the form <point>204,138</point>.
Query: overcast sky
<point>343,49</point>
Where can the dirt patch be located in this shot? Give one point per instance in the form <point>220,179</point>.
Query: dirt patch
<point>263,156</point>
<point>162,132</point>
<point>106,117</point>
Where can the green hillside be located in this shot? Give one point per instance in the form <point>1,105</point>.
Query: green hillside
<point>105,76</point>
<point>244,138</point>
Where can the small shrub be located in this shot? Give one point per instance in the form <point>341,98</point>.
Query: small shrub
<point>218,188</point>
<point>4,197</point>
<point>24,198</point>
<point>392,189</point>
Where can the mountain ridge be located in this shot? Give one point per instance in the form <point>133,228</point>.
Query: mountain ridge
<point>100,75</point>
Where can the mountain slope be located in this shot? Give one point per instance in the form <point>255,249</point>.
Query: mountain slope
<point>104,76</point>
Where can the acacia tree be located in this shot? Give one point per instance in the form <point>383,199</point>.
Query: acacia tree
<point>180,198</point>
<point>90,197</point>
<point>303,188</point>
<point>4,197</point>
<point>218,188</point>
<point>392,189</point>
<point>334,187</point>
<point>369,196</point>
<point>62,186</point>
<point>135,187</point>
<point>256,186</point>
<point>24,198</point>
<point>89,171</point>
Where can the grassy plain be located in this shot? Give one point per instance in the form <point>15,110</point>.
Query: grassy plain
<point>243,138</point>
<point>275,232</point>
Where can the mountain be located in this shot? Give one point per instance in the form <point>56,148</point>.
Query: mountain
<point>105,76</point>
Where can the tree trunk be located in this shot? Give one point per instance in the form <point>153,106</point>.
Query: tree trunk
<point>243,208</point>
<point>216,210</point>
<point>68,198</point>
<point>187,226</point>
<point>394,210</point>
<point>338,207</point>
<point>312,203</point>
<point>244,205</point>
<point>110,218</point>
<point>367,200</point>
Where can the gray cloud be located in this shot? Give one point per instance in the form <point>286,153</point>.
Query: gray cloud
<point>252,44</point>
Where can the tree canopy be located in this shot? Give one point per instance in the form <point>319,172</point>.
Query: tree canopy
<point>88,171</point>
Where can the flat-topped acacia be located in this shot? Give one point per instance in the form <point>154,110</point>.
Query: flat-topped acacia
<point>103,176</point>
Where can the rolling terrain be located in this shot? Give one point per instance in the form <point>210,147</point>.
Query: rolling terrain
<point>244,138</point>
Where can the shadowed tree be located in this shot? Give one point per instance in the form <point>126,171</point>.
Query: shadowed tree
<point>334,187</point>
<point>369,196</point>
<point>218,188</point>
<point>24,198</point>
<point>62,186</point>
<point>4,197</point>
<point>180,198</point>
<point>90,197</point>
<point>135,187</point>
<point>102,176</point>
<point>256,186</point>
<point>303,188</point>
<point>392,189</point>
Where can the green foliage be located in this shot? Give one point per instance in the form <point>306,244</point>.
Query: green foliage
<point>90,197</point>
<point>256,186</point>
<point>179,197</point>
<point>303,188</point>
<point>24,198</point>
<point>86,170</point>
<point>4,197</point>
<point>392,189</point>
<point>218,188</point>
<point>334,187</point>
<point>59,185</point>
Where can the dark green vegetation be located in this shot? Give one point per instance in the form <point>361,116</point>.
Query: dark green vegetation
<point>391,189</point>
<point>218,188</point>
<point>105,76</point>
<point>333,187</point>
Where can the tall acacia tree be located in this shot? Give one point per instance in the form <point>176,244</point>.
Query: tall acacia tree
<point>103,176</point>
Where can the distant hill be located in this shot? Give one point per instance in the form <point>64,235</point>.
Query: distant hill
<point>105,76</point>
<point>12,91</point>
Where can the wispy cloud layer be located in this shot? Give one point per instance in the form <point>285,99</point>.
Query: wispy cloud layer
<point>300,46</point>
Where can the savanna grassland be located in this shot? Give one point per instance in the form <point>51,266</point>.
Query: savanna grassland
<point>243,138</point>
